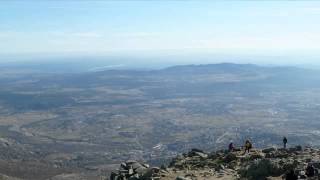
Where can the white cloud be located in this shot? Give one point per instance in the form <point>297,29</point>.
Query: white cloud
<point>90,41</point>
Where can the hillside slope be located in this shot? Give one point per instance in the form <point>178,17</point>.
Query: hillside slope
<point>271,163</point>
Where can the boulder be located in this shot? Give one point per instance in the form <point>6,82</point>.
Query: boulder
<point>219,168</point>
<point>277,154</point>
<point>295,149</point>
<point>268,150</point>
<point>256,156</point>
<point>182,178</point>
<point>130,162</point>
<point>197,152</point>
<point>133,170</point>
<point>261,169</point>
<point>229,158</point>
<point>316,164</point>
<point>136,165</point>
<point>141,170</point>
<point>152,173</point>
<point>298,148</point>
<point>202,155</point>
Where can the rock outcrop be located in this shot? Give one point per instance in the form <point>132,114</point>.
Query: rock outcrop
<point>270,163</point>
<point>134,170</point>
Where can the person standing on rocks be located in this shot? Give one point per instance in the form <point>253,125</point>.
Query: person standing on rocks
<point>285,140</point>
<point>247,146</point>
<point>231,147</point>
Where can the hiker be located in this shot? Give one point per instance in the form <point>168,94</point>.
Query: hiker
<point>231,147</point>
<point>291,175</point>
<point>285,140</point>
<point>310,170</point>
<point>247,146</point>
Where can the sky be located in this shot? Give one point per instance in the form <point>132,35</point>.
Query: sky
<point>160,27</point>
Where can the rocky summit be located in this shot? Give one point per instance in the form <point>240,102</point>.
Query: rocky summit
<point>258,164</point>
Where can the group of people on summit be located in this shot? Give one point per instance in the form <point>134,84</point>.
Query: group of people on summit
<point>310,171</point>
<point>248,145</point>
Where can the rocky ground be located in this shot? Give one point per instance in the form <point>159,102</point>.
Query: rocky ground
<point>271,163</point>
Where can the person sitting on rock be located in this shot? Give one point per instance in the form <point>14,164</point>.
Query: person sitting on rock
<point>247,146</point>
<point>285,140</point>
<point>310,170</point>
<point>291,175</point>
<point>231,147</point>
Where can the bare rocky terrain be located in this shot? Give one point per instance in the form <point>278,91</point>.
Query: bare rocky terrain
<point>265,164</point>
<point>82,125</point>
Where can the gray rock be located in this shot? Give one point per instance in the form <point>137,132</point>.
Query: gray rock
<point>136,165</point>
<point>316,164</point>
<point>151,173</point>
<point>220,167</point>
<point>230,157</point>
<point>295,149</point>
<point>197,152</point>
<point>268,150</point>
<point>182,178</point>
<point>130,162</point>
<point>202,155</point>
<point>262,169</point>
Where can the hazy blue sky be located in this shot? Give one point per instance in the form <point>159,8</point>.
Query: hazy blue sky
<point>124,27</point>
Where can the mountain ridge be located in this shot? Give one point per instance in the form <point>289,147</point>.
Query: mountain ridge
<point>258,164</point>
